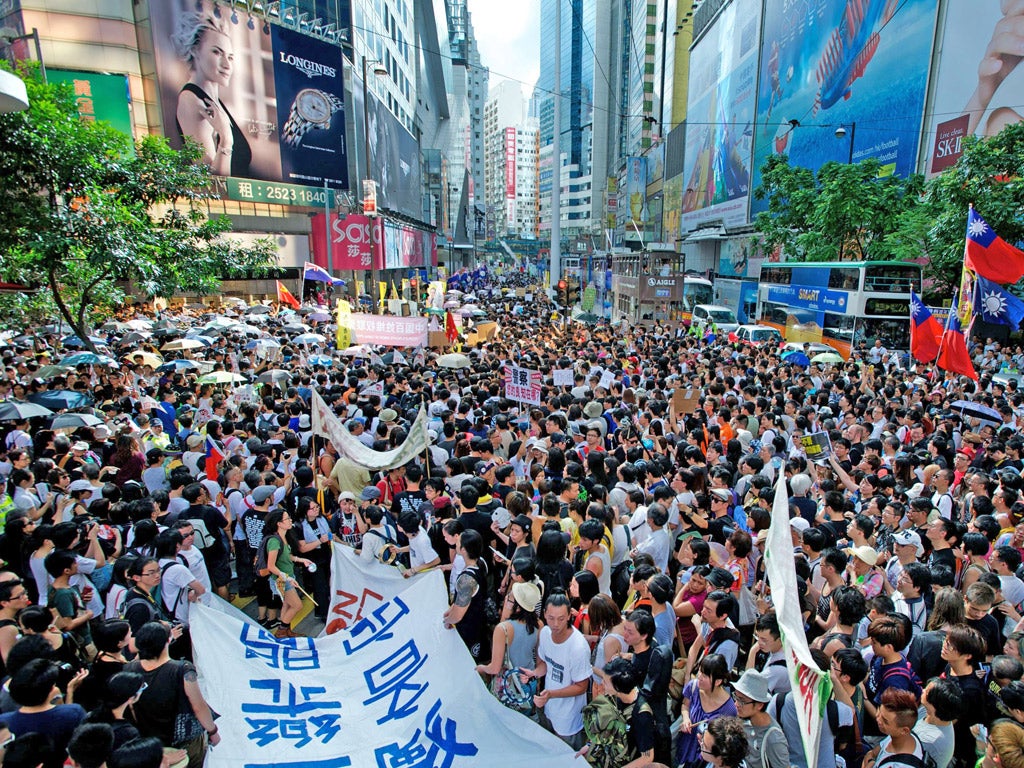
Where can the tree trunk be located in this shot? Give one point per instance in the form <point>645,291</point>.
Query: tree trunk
<point>78,327</point>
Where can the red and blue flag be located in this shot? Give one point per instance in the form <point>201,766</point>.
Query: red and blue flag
<point>953,355</point>
<point>925,331</point>
<point>214,456</point>
<point>989,255</point>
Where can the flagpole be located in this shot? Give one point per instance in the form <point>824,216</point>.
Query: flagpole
<point>942,339</point>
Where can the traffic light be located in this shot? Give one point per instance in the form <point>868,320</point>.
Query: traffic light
<point>563,287</point>
<point>572,293</point>
<point>414,289</point>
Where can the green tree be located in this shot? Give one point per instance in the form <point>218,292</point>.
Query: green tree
<point>842,212</point>
<point>85,212</point>
<point>988,175</point>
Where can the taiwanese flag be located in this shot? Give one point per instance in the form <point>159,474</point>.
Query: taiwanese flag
<point>925,331</point>
<point>214,456</point>
<point>953,355</point>
<point>989,255</point>
<point>451,332</point>
<point>284,296</point>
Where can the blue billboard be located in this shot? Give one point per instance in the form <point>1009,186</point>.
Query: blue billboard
<point>810,297</point>
<point>860,64</point>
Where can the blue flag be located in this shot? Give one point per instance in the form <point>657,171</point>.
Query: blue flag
<point>994,304</point>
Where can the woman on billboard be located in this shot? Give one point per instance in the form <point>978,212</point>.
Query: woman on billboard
<point>203,43</point>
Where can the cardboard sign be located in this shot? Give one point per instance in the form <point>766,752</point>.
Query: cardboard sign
<point>684,401</point>
<point>817,446</point>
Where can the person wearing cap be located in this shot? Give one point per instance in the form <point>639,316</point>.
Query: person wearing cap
<point>766,741</point>
<point>346,523</point>
<point>906,549</point>
<point>517,636</point>
<point>862,571</point>
<point>251,523</point>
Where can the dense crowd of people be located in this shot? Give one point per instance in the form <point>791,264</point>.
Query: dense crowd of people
<point>603,548</point>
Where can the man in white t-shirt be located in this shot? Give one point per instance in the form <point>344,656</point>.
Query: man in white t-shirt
<point>421,554</point>
<point>194,558</point>
<point>563,658</point>
<point>178,587</point>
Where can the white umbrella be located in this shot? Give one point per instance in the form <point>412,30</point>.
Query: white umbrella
<point>360,350</point>
<point>451,305</point>
<point>179,344</point>
<point>296,328</point>
<point>453,360</point>
<point>140,324</point>
<point>310,338</point>
<point>248,330</point>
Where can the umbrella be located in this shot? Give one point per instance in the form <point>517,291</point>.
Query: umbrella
<point>256,319</point>
<point>319,317</point>
<point>52,371</point>
<point>135,337</point>
<point>797,358</point>
<point>259,309</point>
<point>453,360</point>
<point>180,344</point>
<point>275,376</point>
<point>263,344</point>
<point>453,292</point>
<point>827,357</point>
<point>360,350</point>
<point>87,358</point>
<point>62,399</point>
<point>139,324</point>
<point>16,410</point>
<point>178,365</point>
<point>73,342</point>
<point>310,338</point>
<point>115,326</point>
<point>976,411</point>
<point>248,330</point>
<point>589,318</point>
<point>451,305</point>
<point>148,358</point>
<point>221,322</point>
<point>166,333</point>
<point>221,377</point>
<point>324,360</point>
<point>433,311</point>
<point>164,324</point>
<point>296,327</point>
<point>467,310</point>
<point>74,421</point>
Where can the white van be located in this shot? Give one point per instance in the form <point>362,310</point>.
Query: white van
<point>723,317</point>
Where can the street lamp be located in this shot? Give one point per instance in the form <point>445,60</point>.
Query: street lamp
<point>378,69</point>
<point>841,133</point>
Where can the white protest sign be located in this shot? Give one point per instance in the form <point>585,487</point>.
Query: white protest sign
<point>398,689</point>
<point>607,379</point>
<point>522,384</point>
<point>562,377</point>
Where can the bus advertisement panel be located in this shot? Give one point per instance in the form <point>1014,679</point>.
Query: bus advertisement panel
<point>861,64</point>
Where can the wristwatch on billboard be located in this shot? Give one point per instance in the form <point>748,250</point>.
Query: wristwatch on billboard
<point>312,108</point>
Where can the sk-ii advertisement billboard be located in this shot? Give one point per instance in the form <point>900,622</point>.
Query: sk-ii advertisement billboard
<point>262,101</point>
<point>860,64</point>
<point>979,85</point>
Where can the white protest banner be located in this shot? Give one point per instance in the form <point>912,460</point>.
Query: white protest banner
<point>607,379</point>
<point>811,686</point>
<point>562,377</point>
<point>388,330</point>
<point>359,587</point>
<point>522,384</point>
<point>327,425</point>
<point>396,690</point>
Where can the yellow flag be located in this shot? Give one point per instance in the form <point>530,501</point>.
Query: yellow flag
<point>343,336</point>
<point>394,291</point>
<point>405,286</point>
<point>383,294</point>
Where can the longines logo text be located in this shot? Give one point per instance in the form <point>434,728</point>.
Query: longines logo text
<point>307,67</point>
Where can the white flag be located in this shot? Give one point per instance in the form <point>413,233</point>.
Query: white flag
<point>811,686</point>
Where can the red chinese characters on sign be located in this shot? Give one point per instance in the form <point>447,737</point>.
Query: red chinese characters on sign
<point>355,242</point>
<point>352,608</point>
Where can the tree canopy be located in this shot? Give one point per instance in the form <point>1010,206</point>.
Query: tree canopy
<point>86,212</point>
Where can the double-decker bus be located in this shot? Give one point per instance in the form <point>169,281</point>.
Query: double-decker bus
<point>839,303</point>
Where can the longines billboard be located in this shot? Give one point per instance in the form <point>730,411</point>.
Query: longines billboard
<point>263,101</point>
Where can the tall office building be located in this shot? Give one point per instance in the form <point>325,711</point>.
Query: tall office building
<point>589,123</point>
<point>510,164</point>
